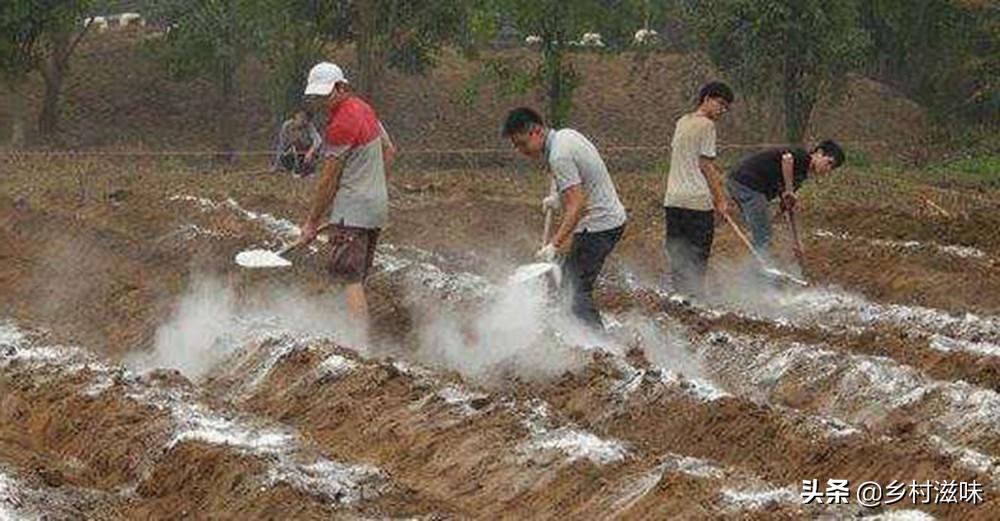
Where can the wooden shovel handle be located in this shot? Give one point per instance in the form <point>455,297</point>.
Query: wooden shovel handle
<point>746,241</point>
<point>548,226</point>
<point>321,228</point>
<point>548,216</point>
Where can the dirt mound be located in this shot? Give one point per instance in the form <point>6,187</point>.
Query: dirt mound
<point>470,399</point>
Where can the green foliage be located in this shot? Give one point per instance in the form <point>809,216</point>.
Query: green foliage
<point>21,24</point>
<point>405,35</point>
<point>985,169</point>
<point>28,28</point>
<point>558,24</point>
<point>207,37</point>
<point>859,158</point>
<point>972,156</point>
<point>942,53</point>
<point>291,43</point>
<point>39,36</point>
<point>211,38</point>
<point>799,50</point>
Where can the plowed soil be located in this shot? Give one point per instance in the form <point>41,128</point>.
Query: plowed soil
<point>144,375</point>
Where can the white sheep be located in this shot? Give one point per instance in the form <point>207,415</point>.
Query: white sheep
<point>592,40</point>
<point>127,19</point>
<point>533,39</point>
<point>645,36</point>
<point>100,23</point>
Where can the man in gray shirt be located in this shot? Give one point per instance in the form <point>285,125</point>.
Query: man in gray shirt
<point>593,217</point>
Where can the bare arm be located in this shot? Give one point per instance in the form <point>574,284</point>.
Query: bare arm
<point>714,178</point>
<point>787,169</point>
<point>573,202</point>
<point>388,150</point>
<point>326,189</point>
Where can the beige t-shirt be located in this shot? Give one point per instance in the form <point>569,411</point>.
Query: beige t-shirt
<point>694,137</point>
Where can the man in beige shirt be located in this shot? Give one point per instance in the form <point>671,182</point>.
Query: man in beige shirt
<point>694,190</point>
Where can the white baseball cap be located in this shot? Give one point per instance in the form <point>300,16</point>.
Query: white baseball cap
<point>322,78</point>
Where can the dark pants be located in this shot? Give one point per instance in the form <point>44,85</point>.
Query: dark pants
<point>583,265</point>
<point>293,161</point>
<point>753,206</point>
<point>352,253</point>
<point>688,244</point>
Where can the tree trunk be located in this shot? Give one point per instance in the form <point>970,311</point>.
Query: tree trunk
<point>48,119</point>
<point>53,72</point>
<point>370,55</point>
<point>555,81</point>
<point>62,43</point>
<point>228,91</point>
<point>19,112</point>
<point>799,100</point>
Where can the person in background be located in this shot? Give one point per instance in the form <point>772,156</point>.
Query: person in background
<point>298,145</point>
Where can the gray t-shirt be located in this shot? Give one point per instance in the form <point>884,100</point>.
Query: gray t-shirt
<point>574,160</point>
<point>355,136</point>
<point>694,137</point>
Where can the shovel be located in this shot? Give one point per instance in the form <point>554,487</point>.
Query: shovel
<point>258,258</point>
<point>536,270</point>
<point>769,271</point>
<point>793,227</point>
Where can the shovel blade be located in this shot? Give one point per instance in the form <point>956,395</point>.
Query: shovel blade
<point>536,271</point>
<point>261,259</point>
<point>781,276</point>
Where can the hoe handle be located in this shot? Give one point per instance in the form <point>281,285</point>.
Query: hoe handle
<point>790,215</point>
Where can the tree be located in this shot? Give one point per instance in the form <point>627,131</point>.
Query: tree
<point>943,53</point>
<point>39,36</point>
<point>406,35</point>
<point>558,24</point>
<point>20,28</point>
<point>210,38</point>
<point>291,42</point>
<point>797,50</point>
<point>63,32</point>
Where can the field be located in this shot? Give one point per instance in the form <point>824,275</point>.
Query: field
<point>143,374</point>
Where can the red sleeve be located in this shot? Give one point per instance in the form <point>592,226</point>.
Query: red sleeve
<point>353,124</point>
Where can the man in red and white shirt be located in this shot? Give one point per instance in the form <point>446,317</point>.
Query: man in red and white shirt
<point>351,191</point>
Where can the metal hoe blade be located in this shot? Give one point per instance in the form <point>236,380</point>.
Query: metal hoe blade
<point>776,274</point>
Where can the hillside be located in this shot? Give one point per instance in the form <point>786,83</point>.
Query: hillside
<point>118,96</point>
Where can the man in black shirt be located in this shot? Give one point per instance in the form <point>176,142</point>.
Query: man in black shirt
<point>777,172</point>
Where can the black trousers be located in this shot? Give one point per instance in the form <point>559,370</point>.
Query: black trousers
<point>581,268</point>
<point>688,245</point>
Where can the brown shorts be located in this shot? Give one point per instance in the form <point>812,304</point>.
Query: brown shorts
<point>352,253</point>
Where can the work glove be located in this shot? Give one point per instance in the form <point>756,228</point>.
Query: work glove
<point>547,253</point>
<point>551,202</point>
